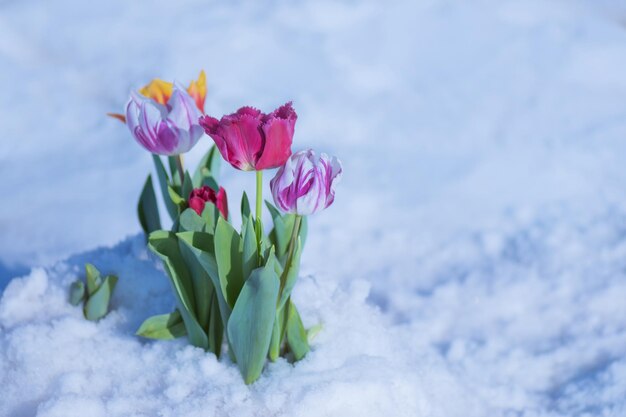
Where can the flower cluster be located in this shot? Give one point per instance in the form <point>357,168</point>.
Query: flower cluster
<point>232,288</point>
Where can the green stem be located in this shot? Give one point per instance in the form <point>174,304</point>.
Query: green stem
<point>259,201</point>
<point>292,248</point>
<point>181,172</point>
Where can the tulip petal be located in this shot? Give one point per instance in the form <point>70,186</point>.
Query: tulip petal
<point>158,90</point>
<point>278,129</point>
<point>211,128</point>
<point>333,172</point>
<point>222,202</point>
<point>197,204</point>
<point>248,111</point>
<point>277,147</point>
<point>182,109</point>
<point>168,138</point>
<point>197,90</point>
<point>117,116</point>
<point>228,139</point>
<point>242,138</point>
<point>281,187</point>
<point>132,111</point>
<point>149,119</point>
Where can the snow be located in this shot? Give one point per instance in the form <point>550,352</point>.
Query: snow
<point>73,367</point>
<point>474,261</point>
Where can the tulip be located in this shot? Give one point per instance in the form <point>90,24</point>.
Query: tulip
<point>200,196</point>
<point>306,184</point>
<point>161,91</point>
<point>251,140</point>
<point>169,129</point>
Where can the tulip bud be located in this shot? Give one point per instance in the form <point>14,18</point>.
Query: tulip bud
<point>306,184</point>
<point>169,129</point>
<point>200,196</point>
<point>251,140</point>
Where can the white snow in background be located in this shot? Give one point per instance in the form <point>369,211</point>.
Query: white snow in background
<point>473,264</point>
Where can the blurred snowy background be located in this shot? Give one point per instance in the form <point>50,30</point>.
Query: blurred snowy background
<point>479,233</point>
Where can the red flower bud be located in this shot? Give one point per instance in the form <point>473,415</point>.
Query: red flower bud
<point>199,197</point>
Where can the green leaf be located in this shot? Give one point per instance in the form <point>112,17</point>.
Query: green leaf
<point>304,230</point>
<point>229,260</point>
<point>165,245</point>
<point>175,198</point>
<point>281,234</point>
<point>93,279</point>
<point>147,208</point>
<point>163,327</point>
<point>289,221</point>
<point>278,334</point>
<point>201,244</point>
<point>163,183</point>
<point>273,210</point>
<point>175,225</point>
<point>202,286</point>
<point>216,326</point>
<point>252,320</point>
<point>210,215</point>
<point>174,175</point>
<point>97,305</point>
<point>214,162</point>
<point>187,186</point>
<point>189,221</point>
<point>248,249</point>
<point>266,245</point>
<point>209,167</point>
<point>77,292</point>
<point>290,274</point>
<point>245,207</point>
<point>178,202</point>
<point>312,332</point>
<point>296,334</point>
<point>211,182</point>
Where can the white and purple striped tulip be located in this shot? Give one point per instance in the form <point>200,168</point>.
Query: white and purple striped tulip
<point>169,129</point>
<point>306,183</point>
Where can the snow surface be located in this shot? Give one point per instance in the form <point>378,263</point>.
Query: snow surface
<point>473,264</point>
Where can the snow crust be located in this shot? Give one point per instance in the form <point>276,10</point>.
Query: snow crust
<point>473,263</point>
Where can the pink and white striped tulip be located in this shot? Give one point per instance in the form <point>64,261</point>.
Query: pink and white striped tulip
<point>306,183</point>
<point>164,129</point>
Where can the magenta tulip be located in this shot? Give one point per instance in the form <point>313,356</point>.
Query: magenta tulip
<point>205,194</point>
<point>169,129</point>
<point>306,184</point>
<point>251,140</point>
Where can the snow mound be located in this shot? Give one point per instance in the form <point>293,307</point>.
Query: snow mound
<point>55,363</point>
